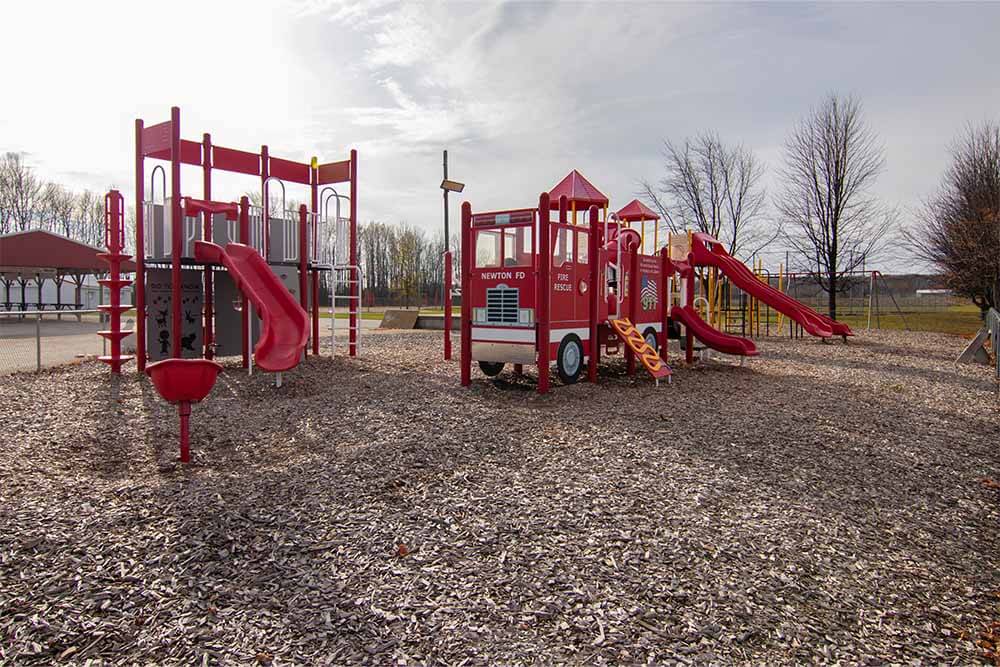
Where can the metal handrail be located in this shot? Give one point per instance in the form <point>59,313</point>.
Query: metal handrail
<point>152,184</point>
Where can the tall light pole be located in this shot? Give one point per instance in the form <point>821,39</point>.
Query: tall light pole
<point>448,186</point>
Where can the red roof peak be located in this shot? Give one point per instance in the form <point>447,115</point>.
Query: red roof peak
<point>636,211</point>
<point>577,189</point>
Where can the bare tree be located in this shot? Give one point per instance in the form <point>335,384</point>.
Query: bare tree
<point>22,197</point>
<point>959,228</point>
<point>89,227</point>
<point>713,188</point>
<point>57,209</point>
<point>835,224</point>
<point>6,208</point>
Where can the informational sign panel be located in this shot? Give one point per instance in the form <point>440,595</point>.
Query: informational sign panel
<point>159,314</point>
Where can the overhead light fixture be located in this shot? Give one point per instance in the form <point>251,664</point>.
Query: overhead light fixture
<point>452,186</point>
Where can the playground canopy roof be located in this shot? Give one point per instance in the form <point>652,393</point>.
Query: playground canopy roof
<point>37,252</point>
<point>636,211</point>
<point>578,190</point>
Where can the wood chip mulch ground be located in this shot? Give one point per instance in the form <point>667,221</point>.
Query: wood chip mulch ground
<point>824,502</point>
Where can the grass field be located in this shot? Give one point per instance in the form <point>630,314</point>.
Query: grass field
<point>961,320</point>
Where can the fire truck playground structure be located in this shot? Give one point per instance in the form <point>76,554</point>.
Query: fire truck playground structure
<point>323,242</point>
<point>599,289</point>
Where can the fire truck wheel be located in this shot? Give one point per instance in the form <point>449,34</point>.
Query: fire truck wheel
<point>491,368</point>
<point>650,335</point>
<point>569,359</point>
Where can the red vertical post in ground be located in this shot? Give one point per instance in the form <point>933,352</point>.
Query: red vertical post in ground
<point>666,271</point>
<point>245,313</point>
<point>594,298</point>
<point>633,304</point>
<point>465,322</point>
<point>689,301</point>
<point>184,410</point>
<point>176,229</point>
<point>206,166</point>
<point>303,261</point>
<point>355,284</point>
<point>140,252</point>
<point>542,294</point>
<point>314,257</point>
<point>447,305</point>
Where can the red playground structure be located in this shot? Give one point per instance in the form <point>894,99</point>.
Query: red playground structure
<point>536,289</point>
<point>205,268</point>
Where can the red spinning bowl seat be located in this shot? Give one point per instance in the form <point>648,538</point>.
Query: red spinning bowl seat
<point>184,380</point>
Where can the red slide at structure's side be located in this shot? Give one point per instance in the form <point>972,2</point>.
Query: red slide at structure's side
<point>715,339</point>
<point>707,251</point>
<point>285,325</point>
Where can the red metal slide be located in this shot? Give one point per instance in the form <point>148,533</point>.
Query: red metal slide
<point>715,339</point>
<point>708,251</point>
<point>285,325</point>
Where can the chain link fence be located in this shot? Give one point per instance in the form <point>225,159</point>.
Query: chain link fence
<point>33,340</point>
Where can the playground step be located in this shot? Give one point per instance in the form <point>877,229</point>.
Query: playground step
<point>111,335</point>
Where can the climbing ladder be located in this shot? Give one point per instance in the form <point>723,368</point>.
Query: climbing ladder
<point>649,357</point>
<point>114,235</point>
<point>333,253</point>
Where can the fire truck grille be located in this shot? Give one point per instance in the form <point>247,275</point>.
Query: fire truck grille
<point>501,305</point>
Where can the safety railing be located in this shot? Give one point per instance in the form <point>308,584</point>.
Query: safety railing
<point>255,216</point>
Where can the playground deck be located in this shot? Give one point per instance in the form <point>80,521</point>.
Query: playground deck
<point>822,502</point>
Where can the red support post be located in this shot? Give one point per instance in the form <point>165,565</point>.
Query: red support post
<point>595,295</point>
<point>314,203</point>
<point>177,229</point>
<point>633,304</point>
<point>689,301</point>
<point>666,271</point>
<point>206,164</point>
<point>245,313</point>
<point>140,252</point>
<point>447,305</point>
<point>542,290</point>
<point>355,286</point>
<point>184,410</point>
<point>304,263</point>
<point>465,331</point>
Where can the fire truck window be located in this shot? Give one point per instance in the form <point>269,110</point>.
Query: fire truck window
<point>488,249</point>
<point>526,249</point>
<point>562,251</point>
<point>582,250</point>
<point>510,247</point>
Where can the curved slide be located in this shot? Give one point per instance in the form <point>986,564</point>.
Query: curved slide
<point>285,325</point>
<point>710,336</point>
<point>709,252</point>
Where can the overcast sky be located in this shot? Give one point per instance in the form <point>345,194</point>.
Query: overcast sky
<point>519,93</point>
